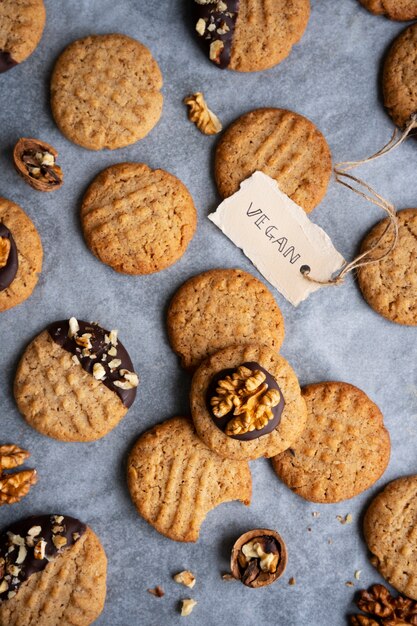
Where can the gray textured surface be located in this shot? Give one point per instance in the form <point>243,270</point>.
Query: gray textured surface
<point>332,77</point>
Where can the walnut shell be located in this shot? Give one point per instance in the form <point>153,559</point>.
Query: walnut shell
<point>264,578</point>
<point>50,176</point>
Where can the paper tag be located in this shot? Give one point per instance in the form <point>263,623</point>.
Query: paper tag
<point>277,236</point>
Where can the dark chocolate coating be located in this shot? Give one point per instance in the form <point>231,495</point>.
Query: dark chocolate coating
<point>6,61</point>
<point>211,15</point>
<point>221,422</point>
<point>31,565</point>
<point>59,333</point>
<point>9,271</point>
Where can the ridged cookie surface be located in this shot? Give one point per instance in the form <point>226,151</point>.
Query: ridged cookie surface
<point>400,77</point>
<point>175,480</point>
<point>105,91</point>
<point>21,27</point>
<point>59,398</point>
<point>390,529</point>
<point>29,252</point>
<point>283,145</point>
<point>138,220</point>
<point>70,591</point>
<point>293,417</point>
<point>344,448</point>
<point>219,308</point>
<point>401,10</point>
<point>390,286</point>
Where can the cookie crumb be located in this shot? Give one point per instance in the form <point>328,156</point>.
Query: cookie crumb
<point>228,577</point>
<point>157,591</point>
<point>358,574</point>
<point>349,584</point>
<point>315,514</point>
<point>344,520</point>
<point>292,581</point>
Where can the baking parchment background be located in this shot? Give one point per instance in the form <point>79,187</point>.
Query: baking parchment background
<point>333,78</point>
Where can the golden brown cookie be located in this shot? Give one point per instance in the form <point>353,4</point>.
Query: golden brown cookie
<point>400,77</point>
<point>343,450</point>
<point>390,286</point>
<point>138,220</point>
<point>105,91</point>
<point>222,307</point>
<point>21,27</point>
<point>175,480</point>
<point>401,10</point>
<point>262,415</point>
<point>391,534</point>
<point>21,255</point>
<point>283,145</point>
<point>250,35</point>
<point>75,381</point>
<point>54,573</point>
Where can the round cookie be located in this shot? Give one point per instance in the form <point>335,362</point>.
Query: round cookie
<point>105,91</point>
<point>175,480</point>
<point>287,419</point>
<point>400,78</point>
<point>390,532</point>
<point>21,255</point>
<point>21,27</point>
<point>219,308</point>
<point>401,10</point>
<point>250,35</point>
<point>75,381</point>
<point>343,450</point>
<point>283,145</point>
<point>138,220</point>
<point>390,286</point>
<point>59,573</point>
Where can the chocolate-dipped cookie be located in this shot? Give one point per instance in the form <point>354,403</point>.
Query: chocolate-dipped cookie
<point>249,35</point>
<point>20,255</point>
<point>21,27</point>
<point>48,558</point>
<point>75,381</point>
<point>246,403</point>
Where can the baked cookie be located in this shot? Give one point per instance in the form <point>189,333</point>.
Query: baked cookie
<point>246,403</point>
<point>138,220</point>
<point>52,571</point>
<point>175,480</point>
<point>283,145</point>
<point>218,308</point>
<point>401,10</point>
<point>343,450</point>
<point>400,77</point>
<point>75,381</point>
<point>391,534</point>
<point>21,27</point>
<point>250,35</point>
<point>21,255</point>
<point>105,91</point>
<point>390,286</point>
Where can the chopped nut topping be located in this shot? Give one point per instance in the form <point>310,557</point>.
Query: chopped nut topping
<point>246,394</point>
<point>112,351</point>
<point>200,26</point>
<point>21,555</point>
<point>99,372</point>
<point>211,27</point>
<point>199,113</point>
<point>84,341</point>
<point>158,592</point>
<point>115,363</point>
<point>74,327</point>
<point>216,48</point>
<point>185,578</point>
<point>13,570</point>
<point>3,586</point>
<point>130,381</point>
<point>222,6</point>
<point>57,529</point>
<point>75,359</point>
<point>5,247</point>
<point>76,536</point>
<point>34,531</point>
<point>113,337</point>
<point>187,607</point>
<point>59,541</point>
<point>58,519</point>
<point>39,550</point>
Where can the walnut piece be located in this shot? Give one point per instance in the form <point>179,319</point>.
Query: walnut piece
<point>199,113</point>
<point>185,578</point>
<point>187,606</point>
<point>35,161</point>
<point>5,246</point>
<point>247,394</point>
<point>216,48</point>
<point>383,609</point>
<point>157,591</point>
<point>12,456</point>
<point>14,487</point>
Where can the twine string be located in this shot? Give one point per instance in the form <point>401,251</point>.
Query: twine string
<point>360,187</point>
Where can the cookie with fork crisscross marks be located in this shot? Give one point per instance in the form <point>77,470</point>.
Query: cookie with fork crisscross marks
<point>175,480</point>
<point>21,255</point>
<point>390,529</point>
<point>105,91</point>
<point>401,10</point>
<point>75,386</point>
<point>21,27</point>
<point>283,145</point>
<point>343,450</point>
<point>66,588</point>
<point>138,220</point>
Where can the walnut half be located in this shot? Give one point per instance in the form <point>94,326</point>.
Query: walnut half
<point>199,113</point>
<point>14,487</point>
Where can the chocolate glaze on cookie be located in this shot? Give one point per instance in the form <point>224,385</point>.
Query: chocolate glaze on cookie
<point>21,541</point>
<point>219,17</point>
<point>222,422</point>
<point>101,351</point>
<point>6,61</point>
<point>9,271</point>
